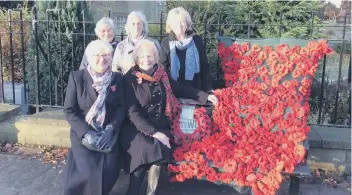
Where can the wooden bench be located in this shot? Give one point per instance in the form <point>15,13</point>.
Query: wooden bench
<point>301,170</point>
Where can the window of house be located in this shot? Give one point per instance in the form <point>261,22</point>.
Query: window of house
<point>120,24</point>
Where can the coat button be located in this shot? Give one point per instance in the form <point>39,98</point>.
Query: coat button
<point>151,105</point>
<point>159,93</point>
<point>157,115</point>
<point>158,104</point>
<point>153,95</point>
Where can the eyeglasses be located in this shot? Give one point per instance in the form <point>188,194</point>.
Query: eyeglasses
<point>104,56</point>
<point>103,30</point>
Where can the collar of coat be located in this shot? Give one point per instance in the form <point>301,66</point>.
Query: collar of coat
<point>172,37</point>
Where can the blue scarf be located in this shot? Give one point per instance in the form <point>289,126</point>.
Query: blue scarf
<point>192,58</point>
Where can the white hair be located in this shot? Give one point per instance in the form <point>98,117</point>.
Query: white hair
<point>96,46</point>
<point>175,13</point>
<point>141,17</point>
<point>104,21</point>
<point>145,43</point>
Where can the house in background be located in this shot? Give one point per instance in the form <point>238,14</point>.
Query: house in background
<point>119,10</point>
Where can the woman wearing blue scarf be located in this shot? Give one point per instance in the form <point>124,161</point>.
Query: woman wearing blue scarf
<point>183,53</point>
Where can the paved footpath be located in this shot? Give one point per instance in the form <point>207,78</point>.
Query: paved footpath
<point>20,175</point>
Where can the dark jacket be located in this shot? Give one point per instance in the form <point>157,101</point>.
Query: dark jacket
<point>146,115</point>
<point>201,80</point>
<point>88,172</point>
<point>84,62</point>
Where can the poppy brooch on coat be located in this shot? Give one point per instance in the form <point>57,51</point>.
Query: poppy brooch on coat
<point>113,88</point>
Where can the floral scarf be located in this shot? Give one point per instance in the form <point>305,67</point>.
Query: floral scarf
<point>173,106</point>
<point>96,114</point>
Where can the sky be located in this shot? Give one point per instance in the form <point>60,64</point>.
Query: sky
<point>336,2</point>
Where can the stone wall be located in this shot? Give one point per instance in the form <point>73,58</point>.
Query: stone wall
<point>329,147</point>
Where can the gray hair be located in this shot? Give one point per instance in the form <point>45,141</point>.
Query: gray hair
<point>141,17</point>
<point>176,12</point>
<point>104,21</point>
<point>96,46</point>
<point>145,43</point>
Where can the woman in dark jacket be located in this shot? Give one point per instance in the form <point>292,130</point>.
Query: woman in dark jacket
<point>94,108</point>
<point>151,104</point>
<point>183,53</point>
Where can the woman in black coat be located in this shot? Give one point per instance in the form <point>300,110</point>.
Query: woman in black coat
<point>94,108</point>
<point>183,53</point>
<point>151,104</point>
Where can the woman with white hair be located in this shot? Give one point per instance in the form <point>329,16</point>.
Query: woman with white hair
<point>136,29</point>
<point>104,29</point>
<point>151,104</point>
<point>183,54</point>
<point>94,108</point>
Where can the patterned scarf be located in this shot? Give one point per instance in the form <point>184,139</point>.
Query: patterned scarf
<point>173,106</point>
<point>96,115</point>
<point>191,59</point>
<point>131,42</point>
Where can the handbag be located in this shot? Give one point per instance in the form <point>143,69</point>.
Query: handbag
<point>89,143</point>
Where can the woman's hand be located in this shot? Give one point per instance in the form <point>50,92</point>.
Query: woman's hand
<point>162,138</point>
<point>213,99</point>
<point>106,137</point>
<point>91,138</point>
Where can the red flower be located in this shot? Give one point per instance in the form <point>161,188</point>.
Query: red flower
<point>113,88</point>
<point>266,96</point>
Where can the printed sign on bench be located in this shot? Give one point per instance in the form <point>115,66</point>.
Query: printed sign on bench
<point>187,123</point>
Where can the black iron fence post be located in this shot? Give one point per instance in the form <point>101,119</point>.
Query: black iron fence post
<point>161,26</point>
<point>311,26</point>
<point>61,61</point>
<point>49,58</point>
<point>11,56</point>
<point>280,26</point>
<point>84,29</point>
<point>321,96</point>
<point>23,59</point>
<point>121,36</point>
<point>218,59</point>
<point>72,52</point>
<point>249,26</point>
<point>340,68</point>
<point>205,35</point>
<point>35,36</point>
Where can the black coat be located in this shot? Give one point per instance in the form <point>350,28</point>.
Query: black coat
<point>146,105</point>
<point>88,172</point>
<point>84,61</point>
<point>201,80</point>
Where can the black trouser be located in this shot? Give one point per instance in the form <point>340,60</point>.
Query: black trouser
<point>136,179</point>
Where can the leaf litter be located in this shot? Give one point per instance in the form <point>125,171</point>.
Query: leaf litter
<point>46,154</point>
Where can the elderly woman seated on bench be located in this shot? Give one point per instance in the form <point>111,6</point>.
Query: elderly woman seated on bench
<point>151,103</point>
<point>94,108</point>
